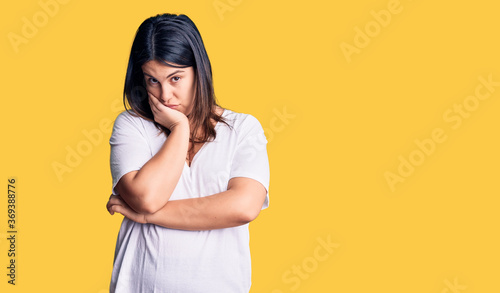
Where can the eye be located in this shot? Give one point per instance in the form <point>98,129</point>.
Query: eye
<point>152,80</point>
<point>176,78</point>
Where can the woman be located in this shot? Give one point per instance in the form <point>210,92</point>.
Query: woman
<point>188,175</point>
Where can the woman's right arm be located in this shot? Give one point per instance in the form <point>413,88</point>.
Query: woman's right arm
<point>147,190</point>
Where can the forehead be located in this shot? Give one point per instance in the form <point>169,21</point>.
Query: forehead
<point>158,67</point>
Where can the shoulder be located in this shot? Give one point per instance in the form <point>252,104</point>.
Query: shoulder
<point>128,118</point>
<point>241,121</point>
<point>245,126</point>
<point>128,123</point>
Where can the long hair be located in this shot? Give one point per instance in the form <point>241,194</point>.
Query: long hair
<point>172,39</point>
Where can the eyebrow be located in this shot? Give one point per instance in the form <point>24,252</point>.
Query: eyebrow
<point>175,72</point>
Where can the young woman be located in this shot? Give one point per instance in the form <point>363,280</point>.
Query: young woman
<point>188,175</point>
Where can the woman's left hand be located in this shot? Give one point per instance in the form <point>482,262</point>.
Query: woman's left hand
<point>116,204</point>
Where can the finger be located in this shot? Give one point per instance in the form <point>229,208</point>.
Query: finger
<point>120,200</point>
<point>159,104</point>
<point>153,102</point>
<point>152,106</point>
<point>154,98</point>
<point>111,209</point>
<point>114,209</point>
<point>108,206</point>
<point>114,201</point>
<point>117,206</point>
<point>125,212</point>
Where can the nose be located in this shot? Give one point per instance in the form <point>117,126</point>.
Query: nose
<point>166,94</point>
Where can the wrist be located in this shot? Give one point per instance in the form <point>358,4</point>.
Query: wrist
<point>180,126</point>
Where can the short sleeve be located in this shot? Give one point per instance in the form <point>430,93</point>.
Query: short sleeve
<point>129,147</point>
<point>250,159</point>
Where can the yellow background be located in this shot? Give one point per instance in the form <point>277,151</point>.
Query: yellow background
<point>436,232</point>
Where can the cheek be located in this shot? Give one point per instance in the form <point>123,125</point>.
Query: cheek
<point>192,90</point>
<point>188,94</point>
<point>153,89</point>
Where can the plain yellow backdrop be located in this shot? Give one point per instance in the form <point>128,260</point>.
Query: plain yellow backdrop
<point>381,116</point>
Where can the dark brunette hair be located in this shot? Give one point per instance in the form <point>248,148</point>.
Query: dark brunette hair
<point>172,39</point>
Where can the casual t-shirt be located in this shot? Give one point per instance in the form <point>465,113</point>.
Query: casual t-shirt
<point>152,258</point>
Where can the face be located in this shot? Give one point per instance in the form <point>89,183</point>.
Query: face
<point>174,87</point>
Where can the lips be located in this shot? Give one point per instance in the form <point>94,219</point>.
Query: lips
<point>172,106</point>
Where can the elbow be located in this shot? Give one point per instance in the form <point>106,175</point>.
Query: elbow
<point>145,202</point>
<point>141,196</point>
<point>147,209</point>
<point>150,205</point>
<point>248,197</point>
<point>248,207</point>
<point>247,214</point>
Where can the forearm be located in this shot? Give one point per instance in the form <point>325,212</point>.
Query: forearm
<point>239,204</point>
<point>221,210</point>
<point>153,184</point>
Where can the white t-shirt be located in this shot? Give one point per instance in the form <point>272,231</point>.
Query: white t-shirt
<point>152,258</point>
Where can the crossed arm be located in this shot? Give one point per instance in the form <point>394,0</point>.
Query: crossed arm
<point>144,195</point>
<point>238,205</point>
